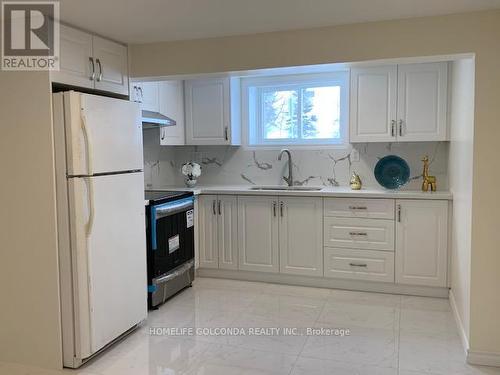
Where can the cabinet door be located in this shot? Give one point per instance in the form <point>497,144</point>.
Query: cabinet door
<point>422,242</point>
<point>373,104</point>
<point>422,102</point>
<point>207,216</point>
<point>301,232</point>
<point>172,105</point>
<point>111,66</point>
<point>150,96</point>
<point>227,209</point>
<point>207,111</point>
<point>258,233</point>
<point>76,63</point>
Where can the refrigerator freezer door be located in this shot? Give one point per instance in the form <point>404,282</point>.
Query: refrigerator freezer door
<point>107,225</point>
<point>103,134</point>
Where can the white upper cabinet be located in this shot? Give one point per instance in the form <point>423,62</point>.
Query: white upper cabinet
<point>112,66</point>
<point>422,242</point>
<point>172,105</point>
<point>300,230</point>
<point>373,104</point>
<point>258,238</point>
<point>92,62</point>
<point>76,63</point>
<point>212,111</point>
<point>404,103</point>
<point>167,98</point>
<point>422,102</point>
<point>149,93</point>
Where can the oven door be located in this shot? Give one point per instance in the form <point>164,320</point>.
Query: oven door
<point>172,236</point>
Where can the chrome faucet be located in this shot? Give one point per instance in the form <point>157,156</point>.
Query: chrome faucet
<point>289,179</point>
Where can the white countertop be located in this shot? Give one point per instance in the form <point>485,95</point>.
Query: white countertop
<point>330,191</point>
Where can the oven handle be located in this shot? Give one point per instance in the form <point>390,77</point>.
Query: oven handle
<point>167,209</point>
<point>171,208</point>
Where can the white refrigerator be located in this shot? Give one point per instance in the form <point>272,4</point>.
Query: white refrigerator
<point>101,221</point>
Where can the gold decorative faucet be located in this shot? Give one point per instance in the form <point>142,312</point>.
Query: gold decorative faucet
<point>429,181</point>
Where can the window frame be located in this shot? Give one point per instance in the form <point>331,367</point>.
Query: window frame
<point>252,89</point>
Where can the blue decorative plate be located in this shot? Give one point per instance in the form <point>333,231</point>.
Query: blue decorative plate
<point>392,172</point>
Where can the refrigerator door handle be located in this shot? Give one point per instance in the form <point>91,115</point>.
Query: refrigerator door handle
<point>90,222</point>
<point>88,143</point>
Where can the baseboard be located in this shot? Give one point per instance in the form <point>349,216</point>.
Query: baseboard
<point>483,358</point>
<point>460,325</point>
<point>323,282</point>
<point>473,357</point>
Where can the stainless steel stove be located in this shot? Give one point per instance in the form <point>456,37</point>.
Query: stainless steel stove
<point>170,243</point>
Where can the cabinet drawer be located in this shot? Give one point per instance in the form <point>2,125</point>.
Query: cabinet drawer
<point>359,264</point>
<point>369,234</point>
<point>354,207</point>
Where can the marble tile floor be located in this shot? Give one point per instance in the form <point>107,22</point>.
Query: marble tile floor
<point>389,335</point>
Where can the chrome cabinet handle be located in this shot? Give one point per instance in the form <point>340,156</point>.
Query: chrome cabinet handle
<point>92,76</point>
<point>399,213</point>
<point>219,207</point>
<point>358,264</point>
<point>358,233</point>
<point>274,208</point>
<point>99,77</point>
<point>226,136</point>
<point>358,207</point>
<point>141,93</point>
<point>393,128</point>
<point>213,207</point>
<point>400,128</point>
<point>281,208</point>
<point>162,134</point>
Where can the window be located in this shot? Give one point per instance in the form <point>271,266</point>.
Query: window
<point>296,109</point>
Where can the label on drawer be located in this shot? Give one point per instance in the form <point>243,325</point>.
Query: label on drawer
<point>190,218</point>
<point>173,244</point>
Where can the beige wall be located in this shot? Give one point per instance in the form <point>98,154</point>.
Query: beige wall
<point>478,33</point>
<point>29,311</point>
<point>460,172</point>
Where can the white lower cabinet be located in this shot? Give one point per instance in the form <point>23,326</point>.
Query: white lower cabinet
<point>278,234</point>
<point>227,231</point>
<point>422,242</point>
<point>258,236</point>
<point>208,251</point>
<point>218,246</point>
<point>303,236</point>
<point>359,264</point>
<point>300,232</point>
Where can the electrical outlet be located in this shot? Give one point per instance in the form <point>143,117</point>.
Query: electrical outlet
<point>354,155</point>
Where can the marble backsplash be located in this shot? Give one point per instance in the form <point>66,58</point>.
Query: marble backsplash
<point>229,165</point>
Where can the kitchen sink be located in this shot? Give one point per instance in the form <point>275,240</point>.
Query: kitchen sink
<point>287,188</point>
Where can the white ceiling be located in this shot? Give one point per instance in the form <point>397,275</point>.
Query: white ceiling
<point>142,21</point>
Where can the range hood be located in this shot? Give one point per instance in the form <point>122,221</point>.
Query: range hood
<point>154,120</point>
